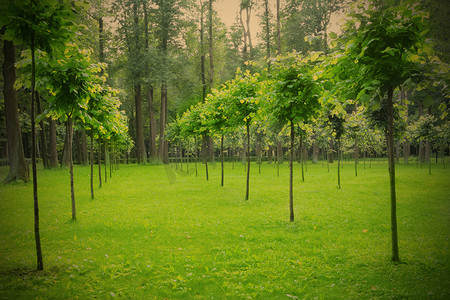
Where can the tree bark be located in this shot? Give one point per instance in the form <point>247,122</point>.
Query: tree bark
<point>40,262</point>
<point>339,162</point>
<point>140,144</point>
<point>390,144</point>
<point>92,164</point>
<point>18,167</point>
<point>248,161</point>
<point>44,152</point>
<point>151,113</point>
<point>222,158</point>
<point>291,175</point>
<point>69,130</point>
<point>163,115</point>
<point>278,29</point>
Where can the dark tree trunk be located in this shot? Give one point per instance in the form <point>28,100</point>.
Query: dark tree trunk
<point>44,152</point>
<point>356,157</point>
<point>248,161</point>
<point>210,29</point>
<point>99,155</point>
<point>69,131</point>
<point>269,155</point>
<point>278,29</point>
<point>291,175</point>
<point>40,263</point>
<point>390,144</point>
<point>151,113</point>
<point>315,151</point>
<point>300,154</point>
<point>140,144</point>
<point>52,144</point>
<point>222,157</point>
<point>65,162</point>
<point>105,146</point>
<point>339,162</point>
<point>405,150</point>
<point>18,167</point>
<point>92,164</point>
<point>162,128</point>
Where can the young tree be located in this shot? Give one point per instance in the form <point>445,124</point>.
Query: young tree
<point>295,99</point>
<point>242,105</point>
<point>38,25</point>
<point>385,47</point>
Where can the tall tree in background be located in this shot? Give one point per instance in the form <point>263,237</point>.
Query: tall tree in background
<point>140,144</point>
<point>18,166</point>
<point>247,6</point>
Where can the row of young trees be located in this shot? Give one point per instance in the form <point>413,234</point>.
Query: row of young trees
<point>382,50</point>
<point>161,49</point>
<point>73,86</point>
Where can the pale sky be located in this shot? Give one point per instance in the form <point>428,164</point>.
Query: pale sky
<point>229,9</point>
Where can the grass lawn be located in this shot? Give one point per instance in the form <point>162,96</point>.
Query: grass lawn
<point>154,232</point>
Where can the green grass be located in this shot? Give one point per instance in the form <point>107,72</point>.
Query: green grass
<point>153,232</point>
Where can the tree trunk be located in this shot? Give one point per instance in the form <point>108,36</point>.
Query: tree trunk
<point>300,156</point>
<point>52,144</point>
<point>69,130</point>
<point>248,161</point>
<point>18,167</point>
<point>210,28</point>
<point>390,144</point>
<point>278,29</point>
<point>356,157</point>
<point>339,162</point>
<point>222,158</point>
<point>151,113</point>
<point>315,151</point>
<point>291,175</point>
<point>405,150</point>
<point>106,162</point>
<point>269,155</point>
<point>40,263</point>
<point>92,164</point>
<point>140,144</point>
<point>65,162</point>
<point>44,152</point>
<point>99,154</point>
<point>162,128</point>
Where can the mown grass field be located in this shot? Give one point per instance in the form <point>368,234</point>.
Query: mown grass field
<point>153,232</point>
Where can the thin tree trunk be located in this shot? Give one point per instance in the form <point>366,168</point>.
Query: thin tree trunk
<point>105,146</point>
<point>301,156</point>
<point>99,154</point>
<point>18,167</point>
<point>278,29</point>
<point>92,164</point>
<point>152,137</point>
<point>291,175</point>
<point>163,114</point>
<point>390,144</point>
<point>140,145</point>
<point>222,157</point>
<point>44,152</point>
<point>40,263</point>
<point>69,130</point>
<point>339,162</point>
<point>248,161</point>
